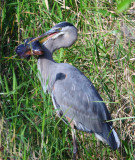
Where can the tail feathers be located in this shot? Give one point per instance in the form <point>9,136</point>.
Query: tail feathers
<point>116,138</point>
<point>110,137</point>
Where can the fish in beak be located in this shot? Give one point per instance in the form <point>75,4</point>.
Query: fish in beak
<point>33,46</point>
<point>29,48</point>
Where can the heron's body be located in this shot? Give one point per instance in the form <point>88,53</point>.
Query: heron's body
<point>86,108</point>
<point>74,96</point>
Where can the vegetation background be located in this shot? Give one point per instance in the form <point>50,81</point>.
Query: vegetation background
<point>104,52</point>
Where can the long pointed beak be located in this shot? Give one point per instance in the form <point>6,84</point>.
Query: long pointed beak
<point>43,37</point>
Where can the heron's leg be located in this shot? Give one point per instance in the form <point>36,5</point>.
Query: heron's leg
<point>71,122</point>
<point>75,156</point>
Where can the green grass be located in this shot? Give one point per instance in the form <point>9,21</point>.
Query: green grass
<point>29,128</point>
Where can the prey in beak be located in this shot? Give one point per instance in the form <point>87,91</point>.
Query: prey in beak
<point>29,48</point>
<point>33,46</point>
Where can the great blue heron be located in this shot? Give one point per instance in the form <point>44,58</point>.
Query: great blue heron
<point>74,96</point>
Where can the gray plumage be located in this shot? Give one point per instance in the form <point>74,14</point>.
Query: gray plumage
<point>74,96</point>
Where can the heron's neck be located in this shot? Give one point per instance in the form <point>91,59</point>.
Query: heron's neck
<point>46,66</point>
<point>48,48</point>
<point>47,53</point>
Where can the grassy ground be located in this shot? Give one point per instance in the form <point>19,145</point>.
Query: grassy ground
<point>104,52</point>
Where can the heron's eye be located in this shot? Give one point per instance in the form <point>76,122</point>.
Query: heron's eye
<point>59,29</point>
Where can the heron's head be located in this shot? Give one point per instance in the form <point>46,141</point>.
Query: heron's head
<point>62,35</point>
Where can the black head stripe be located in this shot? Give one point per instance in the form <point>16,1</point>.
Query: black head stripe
<point>63,24</point>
